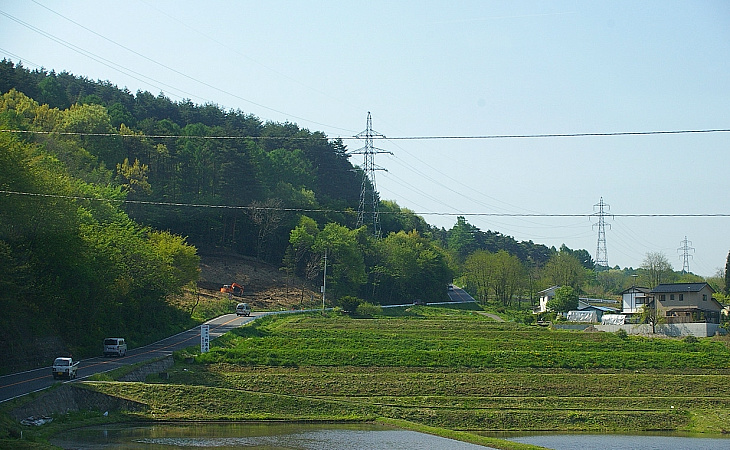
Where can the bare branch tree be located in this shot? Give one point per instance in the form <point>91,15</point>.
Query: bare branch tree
<point>267,216</point>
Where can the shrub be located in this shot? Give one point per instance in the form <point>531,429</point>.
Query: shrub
<point>349,304</point>
<point>366,309</point>
<point>621,333</point>
<point>528,318</point>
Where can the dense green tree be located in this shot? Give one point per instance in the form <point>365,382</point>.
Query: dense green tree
<point>133,178</point>
<point>582,255</point>
<point>564,300</point>
<point>71,247</point>
<point>499,275</point>
<point>345,264</point>
<point>300,257</point>
<point>477,275</point>
<point>410,267</point>
<point>613,280</point>
<point>51,92</point>
<point>394,218</point>
<point>727,276</point>
<point>717,282</point>
<point>462,238</point>
<point>508,274</point>
<point>564,269</point>
<point>96,132</point>
<point>119,115</point>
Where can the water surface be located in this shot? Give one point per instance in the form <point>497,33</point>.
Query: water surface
<point>624,442</point>
<point>222,436</point>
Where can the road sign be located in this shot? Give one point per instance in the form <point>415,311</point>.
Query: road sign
<point>204,338</point>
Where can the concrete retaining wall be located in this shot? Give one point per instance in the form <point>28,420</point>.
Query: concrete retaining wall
<point>674,329</point>
<point>72,397</point>
<point>69,398</point>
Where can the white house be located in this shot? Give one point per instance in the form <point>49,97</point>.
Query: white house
<point>545,296</point>
<point>584,303</point>
<point>634,299</point>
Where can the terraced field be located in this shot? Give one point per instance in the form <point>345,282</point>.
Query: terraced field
<point>447,368</point>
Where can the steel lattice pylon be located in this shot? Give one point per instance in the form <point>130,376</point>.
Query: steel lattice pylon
<point>368,168</point>
<point>601,251</point>
<point>685,248</point>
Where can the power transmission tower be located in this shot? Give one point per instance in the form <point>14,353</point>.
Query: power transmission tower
<point>368,176</point>
<point>685,248</point>
<point>601,252</point>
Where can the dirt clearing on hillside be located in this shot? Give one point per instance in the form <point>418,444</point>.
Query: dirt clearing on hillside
<point>264,285</point>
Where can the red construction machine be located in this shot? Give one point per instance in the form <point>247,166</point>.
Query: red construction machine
<point>233,289</point>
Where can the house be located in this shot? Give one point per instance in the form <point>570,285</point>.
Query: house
<point>634,299</point>
<point>545,296</point>
<point>685,303</point>
<point>585,304</point>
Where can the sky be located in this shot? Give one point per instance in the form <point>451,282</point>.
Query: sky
<point>445,83</point>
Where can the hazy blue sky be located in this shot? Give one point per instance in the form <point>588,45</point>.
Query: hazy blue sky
<point>452,68</point>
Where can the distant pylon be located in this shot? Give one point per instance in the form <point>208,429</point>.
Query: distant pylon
<point>368,168</point>
<point>601,252</point>
<point>685,248</point>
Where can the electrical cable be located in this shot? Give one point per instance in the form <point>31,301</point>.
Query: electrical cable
<point>73,47</point>
<point>97,58</point>
<point>403,138</point>
<point>480,214</point>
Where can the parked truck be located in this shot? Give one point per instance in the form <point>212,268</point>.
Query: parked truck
<point>65,368</point>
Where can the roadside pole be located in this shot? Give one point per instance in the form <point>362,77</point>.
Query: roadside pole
<point>324,280</point>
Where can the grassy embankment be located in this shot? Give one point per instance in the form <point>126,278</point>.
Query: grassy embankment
<point>445,370</point>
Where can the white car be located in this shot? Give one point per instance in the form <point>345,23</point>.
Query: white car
<point>115,346</point>
<point>242,309</point>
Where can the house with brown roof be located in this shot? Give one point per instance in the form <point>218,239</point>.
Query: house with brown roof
<point>685,303</point>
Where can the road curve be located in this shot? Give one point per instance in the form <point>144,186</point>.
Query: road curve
<point>21,383</point>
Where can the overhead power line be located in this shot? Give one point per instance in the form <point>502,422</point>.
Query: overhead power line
<point>559,135</point>
<point>402,138</point>
<point>320,210</point>
<point>122,69</point>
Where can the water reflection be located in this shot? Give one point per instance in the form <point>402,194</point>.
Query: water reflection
<point>623,442</point>
<point>252,436</point>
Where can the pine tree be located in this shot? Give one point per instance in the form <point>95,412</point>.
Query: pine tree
<point>727,275</point>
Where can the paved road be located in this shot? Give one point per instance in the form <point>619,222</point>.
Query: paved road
<point>460,295</point>
<point>22,383</point>
<point>19,384</point>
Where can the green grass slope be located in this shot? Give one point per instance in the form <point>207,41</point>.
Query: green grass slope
<point>443,368</point>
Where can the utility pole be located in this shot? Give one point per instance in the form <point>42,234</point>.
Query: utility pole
<point>601,252</point>
<point>368,168</point>
<point>324,279</point>
<point>685,248</point>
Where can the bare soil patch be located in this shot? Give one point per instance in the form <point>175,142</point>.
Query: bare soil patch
<point>265,286</point>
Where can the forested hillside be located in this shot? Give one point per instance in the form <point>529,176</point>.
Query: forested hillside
<point>109,196</point>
